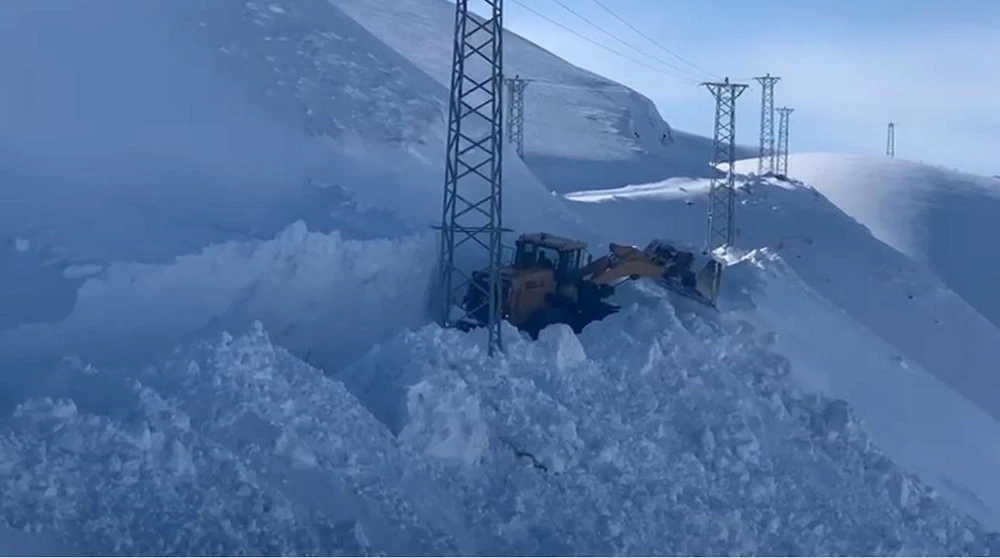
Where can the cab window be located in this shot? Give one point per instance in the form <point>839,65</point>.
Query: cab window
<point>569,261</point>
<point>526,255</point>
<point>547,257</point>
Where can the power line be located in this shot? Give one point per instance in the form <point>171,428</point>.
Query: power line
<point>608,87</point>
<point>601,45</point>
<point>624,42</point>
<point>651,40</point>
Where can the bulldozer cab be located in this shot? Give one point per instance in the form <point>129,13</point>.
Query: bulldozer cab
<point>540,251</point>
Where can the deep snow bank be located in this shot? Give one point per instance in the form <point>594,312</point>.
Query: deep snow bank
<point>937,216</point>
<point>646,436</point>
<point>325,297</point>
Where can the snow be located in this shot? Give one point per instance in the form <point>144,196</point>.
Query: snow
<point>14,542</point>
<point>233,446</point>
<point>897,303</point>
<point>939,217</point>
<point>263,119</point>
<point>192,457</point>
<point>179,171</point>
<point>601,134</point>
<point>912,414</point>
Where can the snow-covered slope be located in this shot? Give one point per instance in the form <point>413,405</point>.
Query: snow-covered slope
<point>940,217</point>
<point>213,164</point>
<point>582,131</point>
<point>931,330</point>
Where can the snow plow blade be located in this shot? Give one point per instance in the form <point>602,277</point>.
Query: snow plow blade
<point>689,272</point>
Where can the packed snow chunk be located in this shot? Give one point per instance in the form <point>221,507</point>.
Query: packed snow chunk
<point>299,453</point>
<point>449,425</point>
<point>563,342</point>
<point>438,384</point>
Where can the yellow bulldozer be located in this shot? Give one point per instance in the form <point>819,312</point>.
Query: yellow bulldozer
<point>556,280</point>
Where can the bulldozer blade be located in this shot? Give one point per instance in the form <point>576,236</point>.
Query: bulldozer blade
<point>685,291</point>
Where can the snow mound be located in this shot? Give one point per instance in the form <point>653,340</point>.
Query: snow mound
<point>233,448</point>
<point>937,216</point>
<point>648,436</point>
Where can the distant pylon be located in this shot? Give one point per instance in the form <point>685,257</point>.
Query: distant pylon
<point>722,192</point>
<point>783,114</point>
<point>765,163</point>
<point>890,140</point>
<point>515,113</point>
<point>471,217</point>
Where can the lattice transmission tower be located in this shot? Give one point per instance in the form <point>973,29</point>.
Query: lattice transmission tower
<point>765,162</point>
<point>515,113</point>
<point>471,224</point>
<point>722,192</point>
<point>783,115</point>
<point>890,140</point>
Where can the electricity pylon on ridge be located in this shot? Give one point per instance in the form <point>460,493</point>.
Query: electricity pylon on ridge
<point>783,117</point>
<point>766,156</point>
<point>890,140</point>
<point>722,192</point>
<point>515,113</point>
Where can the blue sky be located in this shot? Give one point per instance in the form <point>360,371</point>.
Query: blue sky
<point>848,67</point>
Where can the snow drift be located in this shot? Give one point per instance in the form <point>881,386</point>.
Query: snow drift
<point>939,217</point>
